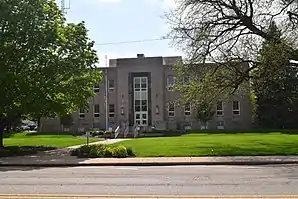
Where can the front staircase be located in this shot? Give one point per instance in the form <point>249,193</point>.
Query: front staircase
<point>129,132</point>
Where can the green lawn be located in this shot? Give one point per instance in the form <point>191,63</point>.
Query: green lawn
<point>215,145</point>
<point>58,140</point>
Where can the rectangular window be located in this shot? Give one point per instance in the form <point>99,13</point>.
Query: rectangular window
<point>220,124</point>
<point>112,110</point>
<point>111,85</point>
<point>96,110</point>
<point>96,88</point>
<point>186,80</point>
<point>236,108</point>
<point>171,110</point>
<point>82,113</point>
<point>219,108</point>
<point>187,109</point>
<point>170,82</point>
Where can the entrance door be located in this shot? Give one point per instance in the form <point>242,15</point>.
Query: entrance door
<point>141,101</point>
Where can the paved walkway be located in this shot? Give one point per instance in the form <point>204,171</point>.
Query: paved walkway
<point>108,141</point>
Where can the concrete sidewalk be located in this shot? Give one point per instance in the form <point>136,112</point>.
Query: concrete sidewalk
<point>55,161</point>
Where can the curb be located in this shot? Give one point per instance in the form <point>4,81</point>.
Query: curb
<point>238,163</point>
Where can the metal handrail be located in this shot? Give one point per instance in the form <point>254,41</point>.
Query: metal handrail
<point>117,131</point>
<point>126,132</point>
<point>136,132</point>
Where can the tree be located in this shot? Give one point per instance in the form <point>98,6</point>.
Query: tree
<point>47,67</point>
<point>205,113</point>
<point>276,86</point>
<point>66,120</point>
<point>227,33</point>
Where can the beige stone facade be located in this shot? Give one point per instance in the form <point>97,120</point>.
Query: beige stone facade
<point>138,91</point>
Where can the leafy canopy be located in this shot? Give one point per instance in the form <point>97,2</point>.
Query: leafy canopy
<point>47,67</point>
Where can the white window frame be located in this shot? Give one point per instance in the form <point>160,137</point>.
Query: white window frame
<point>236,111</point>
<point>111,89</point>
<point>187,112</point>
<point>111,113</point>
<point>171,113</point>
<point>170,86</point>
<point>96,114</point>
<point>96,88</point>
<point>219,112</point>
<point>81,113</point>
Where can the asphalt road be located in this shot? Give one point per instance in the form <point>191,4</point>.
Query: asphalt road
<point>182,180</point>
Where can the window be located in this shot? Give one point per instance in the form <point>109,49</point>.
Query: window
<point>220,124</point>
<point>82,113</point>
<point>112,110</point>
<point>111,85</point>
<point>187,109</point>
<point>186,80</point>
<point>219,108</point>
<point>96,111</point>
<point>236,108</point>
<point>170,82</point>
<point>171,110</point>
<point>96,88</point>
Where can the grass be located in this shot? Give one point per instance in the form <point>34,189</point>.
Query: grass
<point>57,140</point>
<point>215,144</point>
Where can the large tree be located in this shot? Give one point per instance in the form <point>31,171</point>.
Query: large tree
<point>47,67</point>
<point>227,32</point>
<point>276,86</point>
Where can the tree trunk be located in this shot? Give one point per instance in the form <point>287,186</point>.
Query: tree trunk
<point>3,122</point>
<point>1,135</point>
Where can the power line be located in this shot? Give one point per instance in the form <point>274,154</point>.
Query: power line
<point>132,41</point>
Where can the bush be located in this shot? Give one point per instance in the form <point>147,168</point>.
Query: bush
<point>119,152</point>
<point>97,151</point>
<point>130,151</point>
<point>97,133</point>
<point>108,152</point>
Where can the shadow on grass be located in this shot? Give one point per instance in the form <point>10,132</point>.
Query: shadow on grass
<point>256,131</point>
<point>265,150</point>
<point>11,151</point>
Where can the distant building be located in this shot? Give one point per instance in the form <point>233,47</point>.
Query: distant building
<point>138,91</point>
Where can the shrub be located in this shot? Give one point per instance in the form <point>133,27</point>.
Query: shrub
<point>96,151</point>
<point>119,152</point>
<point>108,152</point>
<point>92,151</point>
<point>130,151</point>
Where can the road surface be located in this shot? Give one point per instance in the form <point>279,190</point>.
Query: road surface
<point>148,181</point>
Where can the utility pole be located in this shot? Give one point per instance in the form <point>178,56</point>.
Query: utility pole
<point>63,6</point>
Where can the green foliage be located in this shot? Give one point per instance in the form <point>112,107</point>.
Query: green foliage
<point>97,151</point>
<point>119,152</point>
<point>47,66</point>
<point>66,120</point>
<point>108,152</point>
<point>205,112</point>
<point>276,86</point>
<point>129,151</point>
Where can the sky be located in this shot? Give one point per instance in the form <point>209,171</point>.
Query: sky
<point>112,21</point>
